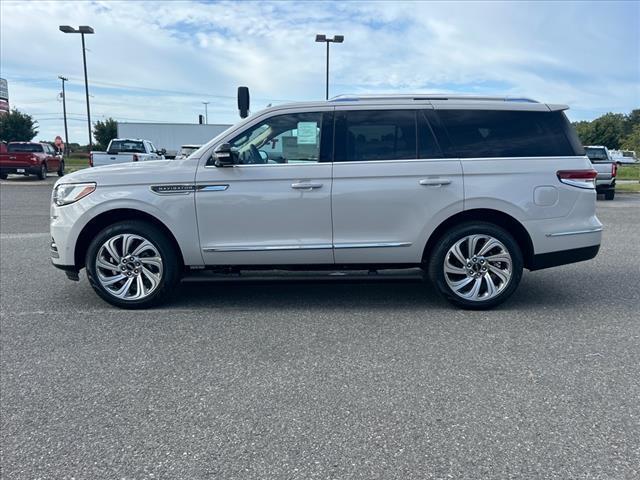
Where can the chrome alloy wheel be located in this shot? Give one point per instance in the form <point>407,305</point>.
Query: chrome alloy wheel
<point>129,267</point>
<point>477,267</point>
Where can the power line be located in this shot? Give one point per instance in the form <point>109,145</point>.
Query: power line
<point>149,89</point>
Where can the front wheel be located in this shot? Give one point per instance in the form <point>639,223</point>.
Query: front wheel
<point>132,264</point>
<point>609,194</point>
<point>476,265</point>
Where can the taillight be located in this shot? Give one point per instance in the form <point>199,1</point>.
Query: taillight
<point>614,169</point>
<point>135,157</point>
<point>91,159</point>
<point>578,178</point>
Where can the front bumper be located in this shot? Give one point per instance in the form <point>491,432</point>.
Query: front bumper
<point>70,271</point>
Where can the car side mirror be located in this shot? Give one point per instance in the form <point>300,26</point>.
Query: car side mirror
<point>225,156</point>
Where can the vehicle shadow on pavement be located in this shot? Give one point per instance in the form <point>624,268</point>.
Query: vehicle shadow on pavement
<point>357,294</point>
<point>305,293</point>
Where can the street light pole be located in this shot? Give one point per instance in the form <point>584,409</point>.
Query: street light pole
<point>324,39</point>
<point>206,113</point>
<point>64,112</point>
<point>86,89</point>
<point>326,95</point>
<point>82,30</point>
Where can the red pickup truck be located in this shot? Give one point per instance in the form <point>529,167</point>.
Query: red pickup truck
<point>33,158</point>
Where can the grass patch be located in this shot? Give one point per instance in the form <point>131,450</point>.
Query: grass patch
<point>629,172</point>
<point>628,187</point>
<point>76,161</point>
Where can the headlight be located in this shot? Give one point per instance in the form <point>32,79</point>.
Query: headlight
<point>65,194</point>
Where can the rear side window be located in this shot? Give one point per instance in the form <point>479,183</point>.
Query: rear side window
<point>498,133</point>
<point>364,135</point>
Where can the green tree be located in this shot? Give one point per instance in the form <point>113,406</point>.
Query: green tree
<point>608,130</point>
<point>632,141</point>
<point>633,119</point>
<point>584,130</point>
<point>16,126</point>
<point>104,132</point>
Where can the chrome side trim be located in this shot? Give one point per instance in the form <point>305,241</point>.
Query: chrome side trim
<point>372,245</point>
<point>267,248</point>
<point>211,188</point>
<point>575,232</point>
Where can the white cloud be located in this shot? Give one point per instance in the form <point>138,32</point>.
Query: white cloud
<point>583,54</point>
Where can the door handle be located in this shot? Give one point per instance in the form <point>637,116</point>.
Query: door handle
<point>306,186</point>
<point>434,182</point>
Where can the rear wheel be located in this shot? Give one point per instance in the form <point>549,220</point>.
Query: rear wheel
<point>132,264</point>
<point>476,265</point>
<point>3,176</point>
<point>42,173</point>
<point>61,169</point>
<point>609,194</point>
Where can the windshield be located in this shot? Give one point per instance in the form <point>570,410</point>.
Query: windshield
<point>24,147</point>
<point>126,146</point>
<point>596,154</point>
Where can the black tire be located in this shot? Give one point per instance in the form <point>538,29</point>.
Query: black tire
<point>42,173</point>
<point>3,176</point>
<point>61,169</point>
<point>609,194</point>
<point>437,261</point>
<point>171,266</point>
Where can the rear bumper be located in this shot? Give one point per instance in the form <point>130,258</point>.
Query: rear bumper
<point>563,257</point>
<point>28,169</point>
<point>604,187</point>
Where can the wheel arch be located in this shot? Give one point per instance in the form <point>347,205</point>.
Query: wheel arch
<point>501,219</point>
<point>103,220</point>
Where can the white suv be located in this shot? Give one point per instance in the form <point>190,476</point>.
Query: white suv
<point>471,189</point>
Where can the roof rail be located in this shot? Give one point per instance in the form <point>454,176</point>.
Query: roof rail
<point>429,96</point>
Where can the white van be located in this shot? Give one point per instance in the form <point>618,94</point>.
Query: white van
<point>472,189</point>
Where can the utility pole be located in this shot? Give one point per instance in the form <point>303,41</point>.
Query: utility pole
<point>64,112</point>
<point>206,113</point>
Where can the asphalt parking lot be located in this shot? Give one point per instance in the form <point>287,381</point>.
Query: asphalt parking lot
<point>330,378</point>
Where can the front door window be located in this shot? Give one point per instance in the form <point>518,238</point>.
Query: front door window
<point>292,138</point>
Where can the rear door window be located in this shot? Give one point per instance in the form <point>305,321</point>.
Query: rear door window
<point>503,133</point>
<point>365,135</point>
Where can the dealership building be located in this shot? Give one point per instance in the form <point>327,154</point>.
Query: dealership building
<point>4,96</point>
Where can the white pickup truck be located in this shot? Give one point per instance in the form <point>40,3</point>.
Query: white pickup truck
<point>606,167</point>
<point>124,150</point>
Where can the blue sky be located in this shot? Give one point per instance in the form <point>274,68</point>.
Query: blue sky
<point>157,61</point>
